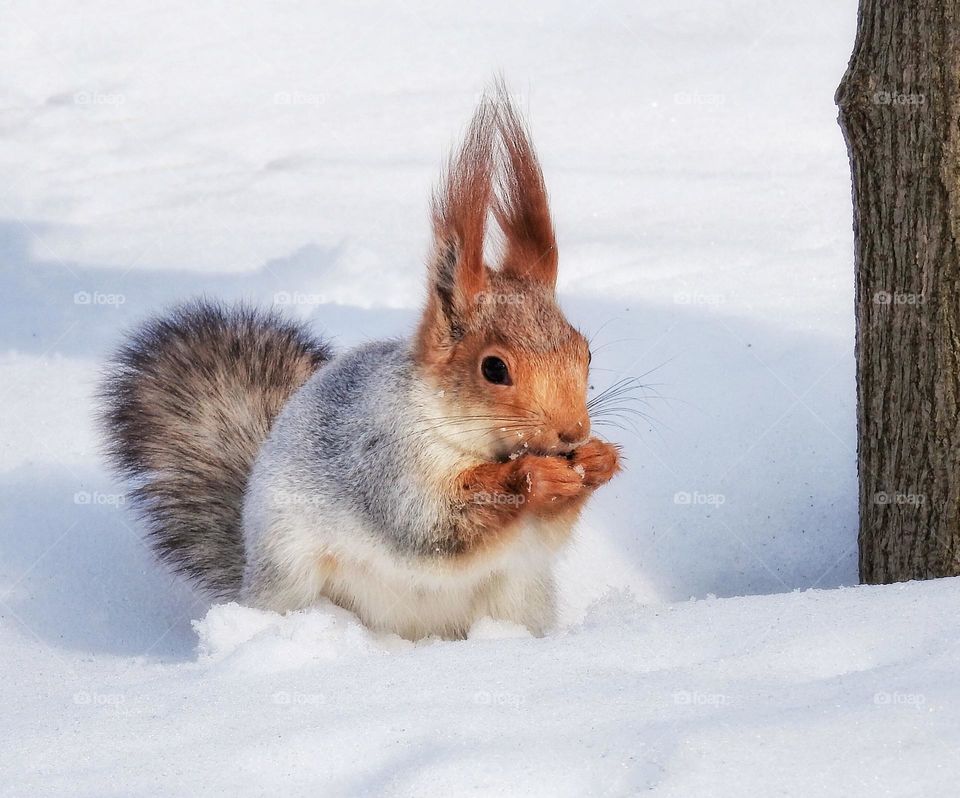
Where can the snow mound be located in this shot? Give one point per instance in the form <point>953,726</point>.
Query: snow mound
<point>248,640</point>
<point>490,629</point>
<point>256,641</point>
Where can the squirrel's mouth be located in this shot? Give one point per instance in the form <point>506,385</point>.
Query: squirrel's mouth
<point>536,451</point>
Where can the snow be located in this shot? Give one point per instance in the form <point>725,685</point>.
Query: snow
<point>838,692</point>
<point>285,154</point>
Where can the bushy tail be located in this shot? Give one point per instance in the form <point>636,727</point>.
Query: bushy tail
<point>187,404</point>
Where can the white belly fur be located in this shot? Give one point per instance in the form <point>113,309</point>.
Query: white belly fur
<point>418,600</point>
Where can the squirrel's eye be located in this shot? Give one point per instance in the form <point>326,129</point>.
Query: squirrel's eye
<point>589,357</point>
<point>495,370</point>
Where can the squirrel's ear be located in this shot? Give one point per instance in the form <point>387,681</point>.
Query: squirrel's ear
<point>457,273</point>
<point>521,208</point>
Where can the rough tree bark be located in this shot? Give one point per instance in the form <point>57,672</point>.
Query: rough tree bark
<point>899,103</point>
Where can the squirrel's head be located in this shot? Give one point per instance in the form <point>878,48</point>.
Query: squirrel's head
<point>509,370</point>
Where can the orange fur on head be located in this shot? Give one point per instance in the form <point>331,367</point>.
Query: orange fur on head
<point>474,311</point>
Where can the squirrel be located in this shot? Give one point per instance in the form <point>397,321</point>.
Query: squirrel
<point>422,483</point>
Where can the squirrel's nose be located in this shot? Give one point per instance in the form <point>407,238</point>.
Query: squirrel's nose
<point>574,433</point>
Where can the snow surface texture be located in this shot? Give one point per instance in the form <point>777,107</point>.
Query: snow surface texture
<point>285,154</point>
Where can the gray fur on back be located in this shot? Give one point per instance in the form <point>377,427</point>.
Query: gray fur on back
<point>352,449</point>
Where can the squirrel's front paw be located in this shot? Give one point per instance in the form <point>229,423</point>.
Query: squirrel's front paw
<point>597,460</point>
<point>544,481</point>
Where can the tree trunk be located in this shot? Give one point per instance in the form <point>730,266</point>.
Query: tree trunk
<point>899,103</point>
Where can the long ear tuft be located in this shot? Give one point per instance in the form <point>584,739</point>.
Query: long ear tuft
<point>520,206</point>
<point>460,209</point>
